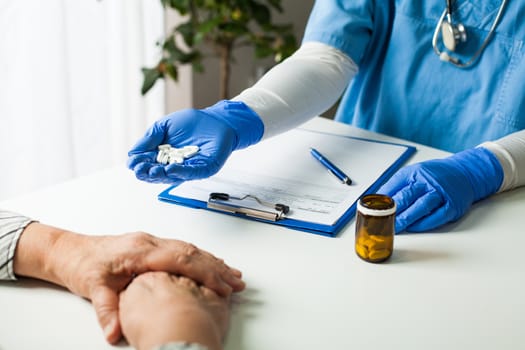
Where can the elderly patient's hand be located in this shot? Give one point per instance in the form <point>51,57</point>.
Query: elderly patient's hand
<point>158,308</point>
<point>100,267</point>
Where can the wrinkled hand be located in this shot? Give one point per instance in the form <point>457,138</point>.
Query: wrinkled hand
<point>217,130</point>
<point>104,265</point>
<point>158,308</point>
<point>435,192</point>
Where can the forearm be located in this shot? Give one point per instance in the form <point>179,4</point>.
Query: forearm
<point>303,86</point>
<point>38,252</point>
<point>510,151</point>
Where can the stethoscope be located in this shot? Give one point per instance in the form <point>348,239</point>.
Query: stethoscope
<point>454,34</point>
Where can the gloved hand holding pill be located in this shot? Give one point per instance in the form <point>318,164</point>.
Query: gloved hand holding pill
<point>216,131</point>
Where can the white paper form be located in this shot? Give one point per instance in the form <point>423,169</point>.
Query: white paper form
<point>282,170</point>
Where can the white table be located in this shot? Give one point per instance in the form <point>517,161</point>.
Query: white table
<point>460,287</point>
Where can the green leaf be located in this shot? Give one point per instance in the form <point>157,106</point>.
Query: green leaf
<point>174,53</point>
<point>187,32</point>
<point>261,13</point>
<point>189,57</point>
<point>263,49</point>
<point>238,29</point>
<point>207,26</point>
<point>169,44</point>
<point>172,71</point>
<point>209,3</point>
<point>151,75</point>
<point>182,6</point>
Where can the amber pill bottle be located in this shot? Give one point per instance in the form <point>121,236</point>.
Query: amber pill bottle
<point>375,227</point>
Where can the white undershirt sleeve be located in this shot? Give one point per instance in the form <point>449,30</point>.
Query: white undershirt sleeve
<point>301,87</point>
<point>510,151</point>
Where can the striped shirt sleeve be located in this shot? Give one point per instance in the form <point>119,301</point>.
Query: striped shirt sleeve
<point>11,226</point>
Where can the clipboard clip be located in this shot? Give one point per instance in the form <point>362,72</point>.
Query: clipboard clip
<point>225,202</point>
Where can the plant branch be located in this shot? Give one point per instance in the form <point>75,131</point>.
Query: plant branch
<point>223,26</point>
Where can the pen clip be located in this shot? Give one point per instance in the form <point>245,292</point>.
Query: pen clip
<point>227,203</point>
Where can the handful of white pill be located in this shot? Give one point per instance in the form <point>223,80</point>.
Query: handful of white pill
<point>169,155</point>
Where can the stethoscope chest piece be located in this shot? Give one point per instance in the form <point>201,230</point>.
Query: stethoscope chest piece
<point>453,35</point>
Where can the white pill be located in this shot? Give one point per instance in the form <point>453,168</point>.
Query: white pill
<point>168,154</point>
<point>190,151</point>
<point>162,157</point>
<point>175,152</point>
<point>178,160</point>
<point>165,158</point>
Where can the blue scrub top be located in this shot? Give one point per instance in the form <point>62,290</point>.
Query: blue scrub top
<point>402,87</point>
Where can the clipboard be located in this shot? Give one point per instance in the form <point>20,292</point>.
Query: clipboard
<point>278,182</point>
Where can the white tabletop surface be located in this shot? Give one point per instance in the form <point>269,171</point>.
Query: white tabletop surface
<point>459,287</point>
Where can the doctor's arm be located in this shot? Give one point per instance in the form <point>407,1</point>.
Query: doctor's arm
<point>99,267</point>
<point>432,193</point>
<point>304,85</point>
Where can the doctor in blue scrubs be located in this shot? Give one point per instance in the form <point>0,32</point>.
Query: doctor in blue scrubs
<point>444,73</point>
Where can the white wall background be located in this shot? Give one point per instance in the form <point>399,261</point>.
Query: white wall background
<point>70,80</point>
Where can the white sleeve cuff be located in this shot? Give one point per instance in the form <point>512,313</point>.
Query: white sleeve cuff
<point>301,87</point>
<point>510,151</point>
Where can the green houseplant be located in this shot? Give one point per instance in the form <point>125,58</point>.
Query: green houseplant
<point>223,26</point>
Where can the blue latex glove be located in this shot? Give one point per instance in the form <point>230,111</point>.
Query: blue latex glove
<point>217,130</point>
<point>435,192</point>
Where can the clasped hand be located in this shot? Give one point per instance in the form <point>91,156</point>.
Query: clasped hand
<point>107,264</point>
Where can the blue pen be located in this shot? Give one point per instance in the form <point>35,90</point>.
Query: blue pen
<point>331,167</point>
